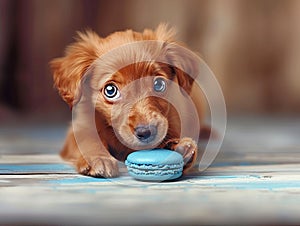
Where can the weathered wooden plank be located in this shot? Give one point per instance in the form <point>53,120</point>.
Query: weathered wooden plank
<point>35,168</point>
<point>255,178</point>
<point>195,201</point>
<point>270,176</point>
<point>30,159</point>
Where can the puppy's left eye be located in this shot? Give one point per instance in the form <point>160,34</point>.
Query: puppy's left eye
<point>111,92</point>
<point>159,85</point>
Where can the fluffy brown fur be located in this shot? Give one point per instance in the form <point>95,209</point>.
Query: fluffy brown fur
<point>123,126</point>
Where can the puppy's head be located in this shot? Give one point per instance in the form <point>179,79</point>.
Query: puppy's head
<point>133,100</point>
<point>129,75</point>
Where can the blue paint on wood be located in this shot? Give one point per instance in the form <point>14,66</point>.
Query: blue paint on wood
<point>218,177</point>
<point>242,182</point>
<point>247,182</point>
<point>79,180</point>
<point>224,164</point>
<point>257,185</point>
<point>35,168</point>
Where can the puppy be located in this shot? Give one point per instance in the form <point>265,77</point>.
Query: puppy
<point>121,87</point>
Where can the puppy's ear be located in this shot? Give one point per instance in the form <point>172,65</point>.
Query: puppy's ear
<point>68,71</point>
<point>184,64</point>
<point>182,61</point>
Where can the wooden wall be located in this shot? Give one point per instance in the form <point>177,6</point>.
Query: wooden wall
<point>252,46</point>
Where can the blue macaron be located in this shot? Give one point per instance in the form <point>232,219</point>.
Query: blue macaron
<point>155,165</point>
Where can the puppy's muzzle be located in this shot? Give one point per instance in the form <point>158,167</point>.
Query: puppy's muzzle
<point>145,133</point>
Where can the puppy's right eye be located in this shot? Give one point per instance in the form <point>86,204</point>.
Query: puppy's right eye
<point>111,92</point>
<point>159,85</point>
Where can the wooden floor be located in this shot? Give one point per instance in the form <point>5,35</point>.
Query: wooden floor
<point>255,179</point>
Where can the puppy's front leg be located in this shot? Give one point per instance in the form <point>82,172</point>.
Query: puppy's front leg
<point>101,166</point>
<point>88,157</point>
<point>187,147</point>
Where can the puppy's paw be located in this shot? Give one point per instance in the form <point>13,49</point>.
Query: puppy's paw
<point>99,167</point>
<point>187,147</point>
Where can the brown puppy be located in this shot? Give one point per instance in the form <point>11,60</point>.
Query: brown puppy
<point>123,89</point>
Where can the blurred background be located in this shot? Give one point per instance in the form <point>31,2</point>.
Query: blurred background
<point>253,47</point>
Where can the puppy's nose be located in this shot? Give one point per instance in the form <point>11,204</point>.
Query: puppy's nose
<point>145,133</point>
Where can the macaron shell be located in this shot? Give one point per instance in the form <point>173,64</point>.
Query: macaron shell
<point>155,157</point>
